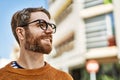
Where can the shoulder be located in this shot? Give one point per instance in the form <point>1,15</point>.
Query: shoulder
<point>3,69</point>
<point>3,72</point>
<point>65,75</point>
<point>61,74</point>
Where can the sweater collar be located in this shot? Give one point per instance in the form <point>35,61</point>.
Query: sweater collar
<point>37,71</point>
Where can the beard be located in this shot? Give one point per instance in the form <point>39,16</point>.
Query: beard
<point>34,43</point>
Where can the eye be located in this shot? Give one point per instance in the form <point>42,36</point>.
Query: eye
<point>53,26</point>
<point>43,25</point>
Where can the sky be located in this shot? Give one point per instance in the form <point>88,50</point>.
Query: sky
<point>7,9</point>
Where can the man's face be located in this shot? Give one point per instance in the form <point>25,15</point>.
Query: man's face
<point>38,40</point>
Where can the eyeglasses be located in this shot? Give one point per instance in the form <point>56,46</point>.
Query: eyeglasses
<point>43,24</point>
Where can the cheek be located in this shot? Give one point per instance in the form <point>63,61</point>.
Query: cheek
<point>36,30</point>
<point>29,37</point>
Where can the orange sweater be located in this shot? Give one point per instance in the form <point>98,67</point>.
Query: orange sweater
<point>45,73</point>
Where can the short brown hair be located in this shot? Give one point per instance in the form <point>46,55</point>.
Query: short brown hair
<point>23,16</point>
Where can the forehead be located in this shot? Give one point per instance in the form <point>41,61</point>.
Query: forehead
<point>39,15</point>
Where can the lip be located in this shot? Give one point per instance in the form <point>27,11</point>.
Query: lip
<point>48,38</point>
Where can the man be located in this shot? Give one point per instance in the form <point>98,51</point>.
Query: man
<point>33,32</point>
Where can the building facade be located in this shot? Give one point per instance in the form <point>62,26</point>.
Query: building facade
<point>86,30</point>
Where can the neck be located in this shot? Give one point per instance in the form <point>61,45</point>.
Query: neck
<point>31,60</point>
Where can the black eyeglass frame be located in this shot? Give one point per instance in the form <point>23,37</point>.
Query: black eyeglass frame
<point>53,26</point>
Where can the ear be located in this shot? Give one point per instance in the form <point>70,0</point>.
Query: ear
<point>20,32</point>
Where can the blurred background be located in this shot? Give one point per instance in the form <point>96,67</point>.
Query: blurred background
<point>87,41</point>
